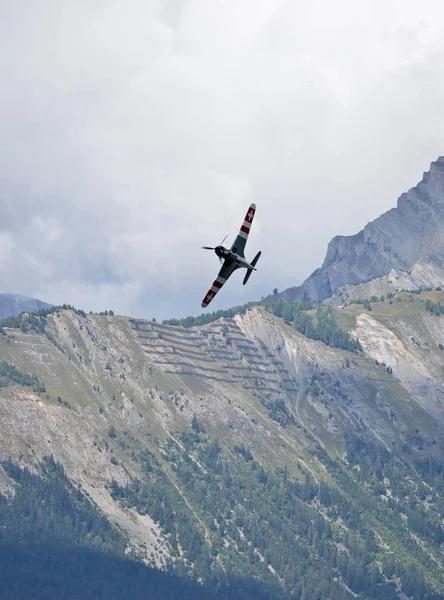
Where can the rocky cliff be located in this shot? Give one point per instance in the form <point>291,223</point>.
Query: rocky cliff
<point>407,242</point>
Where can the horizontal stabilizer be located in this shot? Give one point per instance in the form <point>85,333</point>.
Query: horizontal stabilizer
<point>253,263</point>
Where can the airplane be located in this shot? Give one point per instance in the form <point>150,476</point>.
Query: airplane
<point>234,258</point>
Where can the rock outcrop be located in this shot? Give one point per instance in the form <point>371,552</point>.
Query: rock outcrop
<point>407,239</point>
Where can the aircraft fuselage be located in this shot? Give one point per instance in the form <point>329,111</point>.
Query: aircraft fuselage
<point>231,256</point>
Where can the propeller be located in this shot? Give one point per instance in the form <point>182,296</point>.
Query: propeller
<point>210,248</point>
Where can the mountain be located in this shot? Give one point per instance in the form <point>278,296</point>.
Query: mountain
<point>405,246</point>
<point>12,305</point>
<point>278,450</point>
<point>240,453</point>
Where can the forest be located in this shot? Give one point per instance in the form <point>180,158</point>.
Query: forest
<point>55,544</point>
<point>314,540</point>
<point>10,374</point>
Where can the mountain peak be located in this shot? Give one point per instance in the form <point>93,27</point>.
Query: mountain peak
<point>12,305</point>
<point>401,238</point>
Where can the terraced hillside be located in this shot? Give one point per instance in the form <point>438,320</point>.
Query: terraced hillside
<point>236,448</point>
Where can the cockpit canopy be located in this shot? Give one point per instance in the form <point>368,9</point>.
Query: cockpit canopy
<point>222,252</point>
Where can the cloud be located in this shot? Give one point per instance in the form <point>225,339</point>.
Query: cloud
<point>135,132</point>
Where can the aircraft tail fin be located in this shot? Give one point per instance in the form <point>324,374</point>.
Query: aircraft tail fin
<point>253,263</point>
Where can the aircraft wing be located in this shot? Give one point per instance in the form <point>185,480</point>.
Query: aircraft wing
<point>239,243</point>
<point>225,272</point>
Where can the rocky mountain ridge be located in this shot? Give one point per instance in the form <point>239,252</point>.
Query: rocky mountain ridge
<point>12,305</point>
<point>404,243</point>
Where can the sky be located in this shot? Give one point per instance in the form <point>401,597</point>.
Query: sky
<point>135,131</point>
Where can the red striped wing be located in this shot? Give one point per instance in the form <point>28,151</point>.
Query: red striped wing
<point>221,278</point>
<point>245,228</point>
<point>241,240</point>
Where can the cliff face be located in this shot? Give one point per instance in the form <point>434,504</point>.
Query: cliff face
<point>407,237</point>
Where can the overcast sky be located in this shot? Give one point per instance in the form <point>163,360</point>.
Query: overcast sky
<point>132,132</point>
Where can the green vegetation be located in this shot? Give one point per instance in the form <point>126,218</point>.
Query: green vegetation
<point>324,328</point>
<point>55,544</point>
<point>64,402</point>
<point>405,485</point>
<point>434,307</point>
<point>196,426</point>
<point>34,321</point>
<point>10,374</point>
<point>391,496</point>
<point>112,431</point>
<point>290,308</point>
<point>68,515</point>
<point>367,302</point>
<point>311,540</point>
<point>206,318</point>
<point>238,505</point>
<point>278,411</point>
<point>246,531</point>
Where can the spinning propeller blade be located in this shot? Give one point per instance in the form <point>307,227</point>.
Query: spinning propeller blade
<point>210,248</point>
